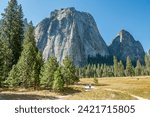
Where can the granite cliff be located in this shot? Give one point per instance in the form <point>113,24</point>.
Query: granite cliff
<point>68,32</point>
<point>125,45</point>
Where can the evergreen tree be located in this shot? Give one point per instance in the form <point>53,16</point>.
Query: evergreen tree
<point>37,69</point>
<point>12,28</point>
<point>1,64</point>
<point>22,73</point>
<point>120,69</point>
<point>87,72</point>
<point>58,83</point>
<point>115,66</point>
<point>129,67</point>
<point>69,72</point>
<point>149,52</point>
<point>47,73</point>
<point>147,64</point>
<point>138,68</point>
<point>105,72</point>
<point>13,79</point>
<point>110,72</point>
<point>5,60</point>
<point>99,72</point>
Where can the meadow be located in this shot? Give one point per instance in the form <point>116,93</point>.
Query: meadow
<point>120,88</point>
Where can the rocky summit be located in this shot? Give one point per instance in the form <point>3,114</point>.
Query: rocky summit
<point>68,32</point>
<point>125,45</point>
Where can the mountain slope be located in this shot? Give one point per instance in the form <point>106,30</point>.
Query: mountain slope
<point>68,32</point>
<point>125,45</point>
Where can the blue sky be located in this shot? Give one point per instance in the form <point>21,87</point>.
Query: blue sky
<point>111,15</point>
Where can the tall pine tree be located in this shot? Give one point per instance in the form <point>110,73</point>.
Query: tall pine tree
<point>24,72</point>
<point>147,64</point>
<point>129,67</point>
<point>138,68</point>
<point>12,28</point>
<point>47,73</point>
<point>5,60</point>
<point>58,84</point>
<point>69,72</point>
<point>115,66</point>
<point>120,69</point>
<point>37,70</point>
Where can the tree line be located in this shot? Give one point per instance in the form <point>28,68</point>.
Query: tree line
<point>21,63</point>
<point>118,69</point>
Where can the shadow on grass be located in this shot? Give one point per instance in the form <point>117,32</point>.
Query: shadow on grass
<point>71,91</point>
<point>15,96</point>
<point>25,97</point>
<point>100,84</point>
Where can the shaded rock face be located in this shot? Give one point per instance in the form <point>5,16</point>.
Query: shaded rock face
<point>125,45</point>
<point>68,32</point>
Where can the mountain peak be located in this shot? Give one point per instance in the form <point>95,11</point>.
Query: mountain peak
<point>62,11</point>
<point>69,32</point>
<point>125,45</point>
<point>125,36</point>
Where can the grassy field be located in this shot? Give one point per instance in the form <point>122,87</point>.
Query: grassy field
<point>116,89</point>
<point>121,88</point>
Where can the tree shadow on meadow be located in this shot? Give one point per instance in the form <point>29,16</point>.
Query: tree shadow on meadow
<point>70,91</point>
<point>25,97</point>
<point>20,95</point>
<point>100,84</point>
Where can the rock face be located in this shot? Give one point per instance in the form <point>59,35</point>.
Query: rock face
<point>125,45</point>
<point>68,32</point>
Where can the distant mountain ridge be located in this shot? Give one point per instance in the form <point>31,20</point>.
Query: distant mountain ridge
<point>125,45</point>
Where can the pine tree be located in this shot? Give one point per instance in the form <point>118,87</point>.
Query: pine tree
<point>105,72</point>
<point>115,66</point>
<point>12,28</point>
<point>129,67</point>
<point>22,73</point>
<point>120,69</point>
<point>37,69</point>
<point>138,68</point>
<point>149,52</point>
<point>58,83</point>
<point>147,64</point>
<point>87,72</point>
<point>99,72</point>
<point>5,60</point>
<point>69,72</point>
<point>13,79</point>
<point>1,63</point>
<point>47,73</point>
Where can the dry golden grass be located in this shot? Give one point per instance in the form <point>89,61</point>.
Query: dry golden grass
<point>100,95</point>
<point>30,94</point>
<point>121,88</point>
<point>116,88</point>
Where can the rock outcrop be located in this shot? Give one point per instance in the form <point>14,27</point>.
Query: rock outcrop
<point>125,45</point>
<point>68,32</point>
